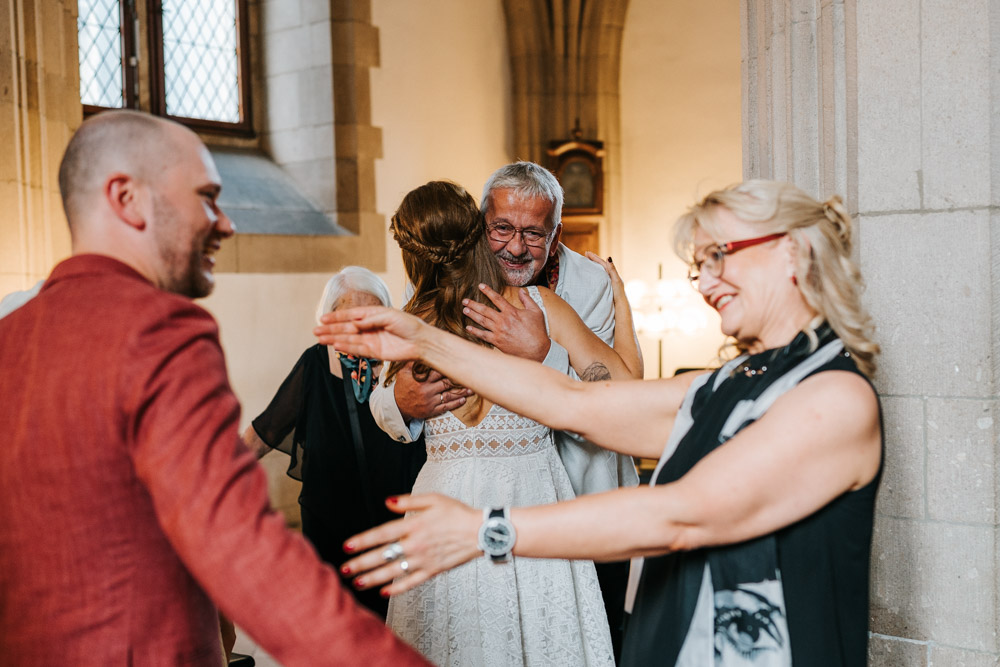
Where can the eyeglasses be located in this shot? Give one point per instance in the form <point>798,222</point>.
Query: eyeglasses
<point>504,233</point>
<point>713,261</point>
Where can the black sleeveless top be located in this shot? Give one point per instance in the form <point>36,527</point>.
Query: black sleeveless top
<point>822,561</point>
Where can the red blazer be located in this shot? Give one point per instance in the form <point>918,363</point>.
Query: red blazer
<point>128,503</point>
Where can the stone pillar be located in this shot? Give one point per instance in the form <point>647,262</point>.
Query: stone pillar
<point>799,92</point>
<point>358,143</point>
<point>893,104</point>
<point>39,110</point>
<point>317,61</point>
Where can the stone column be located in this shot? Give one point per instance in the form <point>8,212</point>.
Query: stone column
<point>359,144</point>
<point>893,104</point>
<point>799,92</point>
<point>39,110</point>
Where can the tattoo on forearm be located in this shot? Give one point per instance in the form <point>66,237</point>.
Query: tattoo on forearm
<point>595,373</point>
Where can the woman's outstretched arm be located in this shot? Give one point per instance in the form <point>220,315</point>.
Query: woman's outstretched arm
<point>631,417</point>
<point>793,461</point>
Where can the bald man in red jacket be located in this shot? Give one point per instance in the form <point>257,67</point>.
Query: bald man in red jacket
<point>129,508</point>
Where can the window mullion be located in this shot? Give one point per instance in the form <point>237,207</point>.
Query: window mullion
<point>130,60</point>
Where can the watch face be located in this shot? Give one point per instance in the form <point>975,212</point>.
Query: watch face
<point>497,537</point>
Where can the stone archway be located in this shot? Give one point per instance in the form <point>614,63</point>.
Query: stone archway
<point>565,60</point>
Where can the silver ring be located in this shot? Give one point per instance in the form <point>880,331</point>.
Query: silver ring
<point>404,565</point>
<point>441,396</point>
<point>392,552</point>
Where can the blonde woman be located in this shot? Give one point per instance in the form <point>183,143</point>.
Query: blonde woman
<point>756,528</point>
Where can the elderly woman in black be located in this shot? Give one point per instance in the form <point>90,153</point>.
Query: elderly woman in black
<point>756,528</point>
<point>320,417</point>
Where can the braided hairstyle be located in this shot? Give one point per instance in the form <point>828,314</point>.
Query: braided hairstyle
<point>446,256</point>
<point>827,277</point>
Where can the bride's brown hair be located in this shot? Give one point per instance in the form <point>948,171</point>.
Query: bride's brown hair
<point>446,255</point>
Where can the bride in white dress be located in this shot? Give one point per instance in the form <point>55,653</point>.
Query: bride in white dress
<point>524,611</point>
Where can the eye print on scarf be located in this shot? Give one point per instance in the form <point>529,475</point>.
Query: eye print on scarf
<point>750,629</point>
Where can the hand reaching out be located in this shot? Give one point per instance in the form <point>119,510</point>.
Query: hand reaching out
<point>392,335</point>
<point>439,534</point>
<point>373,331</point>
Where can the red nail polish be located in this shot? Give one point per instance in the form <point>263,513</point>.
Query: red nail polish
<point>345,570</point>
<point>358,583</point>
<point>392,500</point>
<point>349,547</point>
<point>384,593</point>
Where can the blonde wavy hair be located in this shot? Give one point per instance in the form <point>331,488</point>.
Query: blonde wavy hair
<point>826,276</point>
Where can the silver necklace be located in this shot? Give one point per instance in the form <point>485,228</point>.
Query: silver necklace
<point>748,370</point>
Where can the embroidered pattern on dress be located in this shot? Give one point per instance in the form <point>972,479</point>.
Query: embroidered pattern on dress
<point>527,612</point>
<point>501,433</point>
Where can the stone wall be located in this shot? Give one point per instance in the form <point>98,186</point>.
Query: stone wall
<point>313,115</point>
<point>39,84</point>
<point>892,104</point>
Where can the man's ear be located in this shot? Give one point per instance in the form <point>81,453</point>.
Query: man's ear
<point>554,248</point>
<point>122,194</point>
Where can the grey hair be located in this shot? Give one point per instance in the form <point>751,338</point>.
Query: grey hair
<point>352,278</point>
<point>527,180</point>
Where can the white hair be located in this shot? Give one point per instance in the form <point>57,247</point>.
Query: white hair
<point>352,278</point>
<point>527,180</point>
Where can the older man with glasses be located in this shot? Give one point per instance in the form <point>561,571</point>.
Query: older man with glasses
<point>522,206</point>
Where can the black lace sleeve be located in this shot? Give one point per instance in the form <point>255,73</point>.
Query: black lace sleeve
<point>276,425</point>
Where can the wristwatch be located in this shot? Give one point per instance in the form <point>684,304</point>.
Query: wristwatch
<point>497,534</point>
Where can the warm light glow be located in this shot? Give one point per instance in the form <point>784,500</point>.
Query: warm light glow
<point>691,321</point>
<point>636,291</point>
<point>668,306</point>
<point>656,325</point>
<point>673,292</point>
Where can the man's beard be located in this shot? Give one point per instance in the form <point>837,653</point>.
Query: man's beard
<point>518,277</point>
<point>185,274</point>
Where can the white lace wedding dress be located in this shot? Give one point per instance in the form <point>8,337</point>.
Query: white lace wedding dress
<point>526,611</point>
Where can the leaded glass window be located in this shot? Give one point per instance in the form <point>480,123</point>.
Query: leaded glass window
<point>196,54</point>
<point>201,60</point>
<point>102,76</point>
